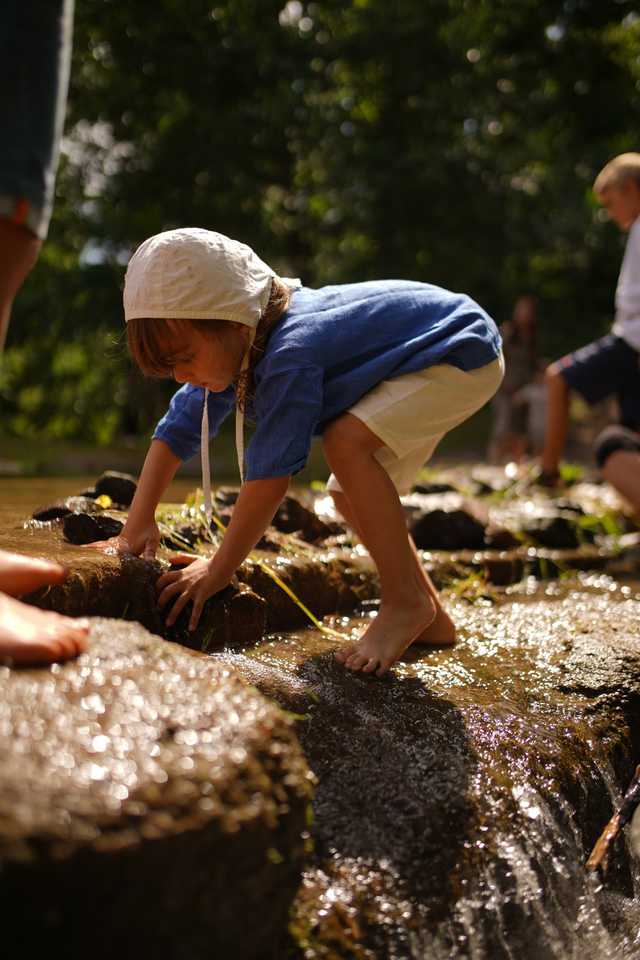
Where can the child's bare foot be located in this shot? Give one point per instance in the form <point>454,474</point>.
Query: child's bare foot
<point>440,633</point>
<point>393,630</point>
<point>20,574</point>
<point>30,635</point>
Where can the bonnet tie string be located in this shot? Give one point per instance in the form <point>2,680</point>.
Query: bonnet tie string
<point>240,412</point>
<point>204,462</point>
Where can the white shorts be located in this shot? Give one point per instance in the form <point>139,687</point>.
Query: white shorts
<point>412,413</point>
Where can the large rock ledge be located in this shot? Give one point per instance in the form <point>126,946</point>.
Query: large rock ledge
<point>149,798</point>
<point>459,796</point>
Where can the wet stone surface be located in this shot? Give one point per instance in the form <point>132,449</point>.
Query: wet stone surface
<point>135,782</point>
<point>459,797</point>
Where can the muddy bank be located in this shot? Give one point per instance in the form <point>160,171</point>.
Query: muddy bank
<point>148,800</point>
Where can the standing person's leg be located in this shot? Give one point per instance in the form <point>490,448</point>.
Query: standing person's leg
<point>557,424</point>
<point>406,608</point>
<point>441,632</point>
<point>375,451</point>
<point>35,50</point>
<point>19,249</point>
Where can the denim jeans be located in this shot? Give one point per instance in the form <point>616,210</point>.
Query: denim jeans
<point>35,54</point>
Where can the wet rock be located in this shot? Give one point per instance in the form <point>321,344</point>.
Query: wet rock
<point>186,534</point>
<point>499,538</point>
<point>481,488</point>
<point>561,503</point>
<point>325,584</point>
<point>505,749</point>
<point>269,542</point>
<point>430,488</point>
<point>285,543</point>
<point>235,617</point>
<point>293,517</point>
<point>82,528</point>
<point>603,671</point>
<point>459,796</point>
<point>147,797</point>
<point>559,532</point>
<point>62,508</point>
<point>125,588</point>
<point>503,569</point>
<point>224,515</point>
<point>121,487</point>
<point>226,496</point>
<point>447,530</point>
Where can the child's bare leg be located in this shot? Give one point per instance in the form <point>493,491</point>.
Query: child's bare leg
<point>442,631</point>
<point>27,634</point>
<point>406,607</point>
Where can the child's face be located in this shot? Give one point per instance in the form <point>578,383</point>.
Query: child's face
<point>622,203</point>
<point>210,361</point>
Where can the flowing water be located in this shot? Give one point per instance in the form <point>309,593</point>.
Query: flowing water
<point>457,800</point>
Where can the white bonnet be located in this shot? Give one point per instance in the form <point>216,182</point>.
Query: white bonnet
<point>196,274</point>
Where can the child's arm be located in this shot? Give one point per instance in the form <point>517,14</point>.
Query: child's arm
<point>557,424</point>
<point>140,534</point>
<point>252,514</point>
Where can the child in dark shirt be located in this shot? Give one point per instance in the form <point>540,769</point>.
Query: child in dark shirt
<point>609,366</point>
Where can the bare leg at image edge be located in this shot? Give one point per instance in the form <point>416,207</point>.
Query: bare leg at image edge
<point>28,635</point>
<point>27,174</point>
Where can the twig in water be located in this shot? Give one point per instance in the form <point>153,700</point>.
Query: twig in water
<point>622,816</point>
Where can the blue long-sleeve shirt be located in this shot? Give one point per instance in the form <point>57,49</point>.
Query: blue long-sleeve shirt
<point>330,347</point>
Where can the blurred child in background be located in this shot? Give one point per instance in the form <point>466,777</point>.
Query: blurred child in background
<point>519,337</point>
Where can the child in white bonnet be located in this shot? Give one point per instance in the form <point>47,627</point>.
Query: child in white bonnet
<point>380,370</point>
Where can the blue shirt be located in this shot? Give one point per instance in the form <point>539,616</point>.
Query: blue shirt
<point>329,348</point>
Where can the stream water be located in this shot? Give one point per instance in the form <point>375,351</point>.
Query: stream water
<point>457,802</point>
<point>458,798</point>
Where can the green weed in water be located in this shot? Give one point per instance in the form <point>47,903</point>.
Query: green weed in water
<point>571,473</point>
<point>472,588</point>
<point>207,639</point>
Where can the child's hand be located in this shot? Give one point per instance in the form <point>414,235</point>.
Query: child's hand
<point>142,541</point>
<point>196,583</point>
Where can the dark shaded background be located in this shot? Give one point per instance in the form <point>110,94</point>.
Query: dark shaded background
<point>453,141</point>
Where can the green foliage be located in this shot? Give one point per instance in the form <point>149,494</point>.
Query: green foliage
<point>447,140</point>
<point>571,473</point>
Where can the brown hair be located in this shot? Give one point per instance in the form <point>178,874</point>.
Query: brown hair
<point>149,339</point>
